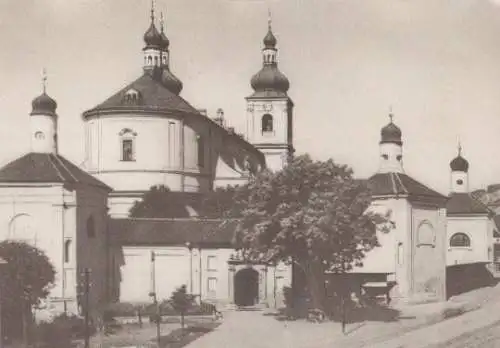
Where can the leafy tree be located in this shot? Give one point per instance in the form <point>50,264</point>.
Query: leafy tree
<point>312,214</point>
<point>215,204</point>
<point>159,202</point>
<point>25,280</point>
<point>182,302</point>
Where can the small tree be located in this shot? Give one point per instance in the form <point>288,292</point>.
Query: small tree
<point>181,302</point>
<point>215,204</point>
<point>25,280</point>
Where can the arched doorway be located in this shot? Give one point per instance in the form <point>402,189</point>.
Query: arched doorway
<point>246,287</point>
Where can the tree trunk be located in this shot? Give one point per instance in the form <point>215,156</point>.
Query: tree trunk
<point>316,285</point>
<point>182,321</point>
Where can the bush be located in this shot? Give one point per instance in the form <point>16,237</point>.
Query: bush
<point>61,331</point>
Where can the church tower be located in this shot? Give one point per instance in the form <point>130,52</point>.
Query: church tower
<point>459,173</point>
<point>270,109</point>
<point>43,123</point>
<point>391,149</point>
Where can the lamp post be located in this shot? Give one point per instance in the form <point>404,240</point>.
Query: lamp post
<point>152,293</point>
<point>188,245</point>
<point>2,264</point>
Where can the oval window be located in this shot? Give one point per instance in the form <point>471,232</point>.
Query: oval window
<point>460,181</point>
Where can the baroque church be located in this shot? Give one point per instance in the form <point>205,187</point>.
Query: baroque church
<point>146,134</point>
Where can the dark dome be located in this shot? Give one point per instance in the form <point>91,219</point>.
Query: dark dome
<point>171,82</point>
<point>152,37</point>
<point>270,40</point>
<point>459,164</point>
<point>43,105</point>
<point>270,78</point>
<point>391,134</point>
<point>165,42</point>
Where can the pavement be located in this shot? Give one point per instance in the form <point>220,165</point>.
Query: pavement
<point>416,327</point>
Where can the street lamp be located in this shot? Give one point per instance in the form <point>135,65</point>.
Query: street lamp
<point>189,246</point>
<point>2,264</point>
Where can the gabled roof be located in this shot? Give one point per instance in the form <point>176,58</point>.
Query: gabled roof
<point>393,184</point>
<point>172,231</point>
<point>153,96</point>
<point>464,203</point>
<point>46,168</point>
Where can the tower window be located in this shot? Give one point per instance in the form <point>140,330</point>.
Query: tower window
<point>399,158</point>
<point>39,136</point>
<point>156,61</point>
<point>150,60</point>
<point>67,250</point>
<point>460,240</point>
<point>267,123</point>
<point>201,151</point>
<point>460,182</point>
<point>385,156</point>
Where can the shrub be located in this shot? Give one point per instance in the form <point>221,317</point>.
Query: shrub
<point>61,331</point>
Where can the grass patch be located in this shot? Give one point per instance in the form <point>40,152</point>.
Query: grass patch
<point>179,338</point>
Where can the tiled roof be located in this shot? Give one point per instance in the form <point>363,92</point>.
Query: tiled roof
<point>172,231</point>
<point>46,168</point>
<point>153,96</point>
<point>464,203</point>
<point>388,184</point>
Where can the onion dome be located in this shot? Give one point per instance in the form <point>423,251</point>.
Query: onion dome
<point>152,37</point>
<point>391,134</point>
<point>43,105</point>
<point>270,40</point>
<point>269,78</point>
<point>165,42</point>
<point>171,82</point>
<point>459,164</point>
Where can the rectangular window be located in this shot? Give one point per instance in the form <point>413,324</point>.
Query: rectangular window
<point>171,144</point>
<point>201,151</point>
<point>127,150</point>
<point>212,287</point>
<point>212,263</point>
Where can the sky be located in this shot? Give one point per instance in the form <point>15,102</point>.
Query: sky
<point>435,62</point>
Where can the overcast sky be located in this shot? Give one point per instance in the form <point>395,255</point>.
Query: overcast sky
<point>437,62</point>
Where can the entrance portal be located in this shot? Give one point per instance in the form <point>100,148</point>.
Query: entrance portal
<point>246,287</point>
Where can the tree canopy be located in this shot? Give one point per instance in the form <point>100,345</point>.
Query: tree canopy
<point>312,213</point>
<point>159,202</point>
<point>25,280</point>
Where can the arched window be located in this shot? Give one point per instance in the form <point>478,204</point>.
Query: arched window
<point>201,151</point>
<point>267,123</point>
<point>90,227</point>
<point>460,240</point>
<point>150,60</point>
<point>156,61</point>
<point>22,229</point>
<point>426,234</point>
<point>67,250</point>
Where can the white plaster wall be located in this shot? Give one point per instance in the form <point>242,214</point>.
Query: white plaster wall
<point>480,231</point>
<point>178,265</point>
<point>428,274</point>
<point>47,125</point>
<point>50,220</point>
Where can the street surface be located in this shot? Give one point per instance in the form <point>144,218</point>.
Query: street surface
<point>486,337</point>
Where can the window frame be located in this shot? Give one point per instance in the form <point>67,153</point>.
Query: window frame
<point>467,245</point>
<point>127,136</point>
<point>267,119</point>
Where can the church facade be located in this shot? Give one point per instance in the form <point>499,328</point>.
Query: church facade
<point>146,134</point>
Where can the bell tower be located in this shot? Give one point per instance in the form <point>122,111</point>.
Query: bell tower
<point>270,109</point>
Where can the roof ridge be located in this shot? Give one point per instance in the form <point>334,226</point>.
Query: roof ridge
<point>402,184</point>
<point>55,167</point>
<point>66,168</point>
<point>395,189</point>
